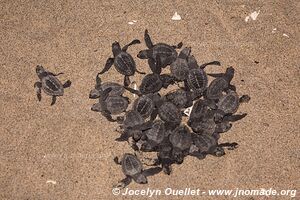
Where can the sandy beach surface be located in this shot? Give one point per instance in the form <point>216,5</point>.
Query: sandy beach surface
<point>66,151</point>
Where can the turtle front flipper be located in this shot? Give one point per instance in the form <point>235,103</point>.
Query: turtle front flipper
<point>108,116</point>
<point>216,75</point>
<point>67,84</point>
<point>153,66</point>
<point>38,87</point>
<point>244,99</point>
<point>139,72</point>
<point>148,41</point>
<point>123,183</point>
<point>131,43</point>
<point>210,63</point>
<point>178,46</point>
<point>152,171</point>
<point>109,63</point>
<point>126,81</point>
<point>53,100</point>
<point>229,146</point>
<point>50,73</point>
<point>234,118</point>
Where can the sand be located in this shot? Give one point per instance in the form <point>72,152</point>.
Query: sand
<point>66,151</point>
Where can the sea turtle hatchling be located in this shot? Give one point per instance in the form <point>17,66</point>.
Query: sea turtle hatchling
<point>152,83</point>
<point>169,113</point>
<point>116,89</point>
<point>196,79</point>
<point>204,144</point>
<point>166,53</point>
<point>133,169</point>
<point>49,84</point>
<point>123,61</point>
<point>154,136</point>
<point>228,104</point>
<point>179,68</point>
<point>220,84</point>
<point>144,105</point>
<point>181,139</point>
<point>180,98</point>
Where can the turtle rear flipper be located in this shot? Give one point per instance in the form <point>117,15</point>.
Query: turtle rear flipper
<point>178,46</point>
<point>244,99</point>
<point>53,100</point>
<point>38,89</point>
<point>67,84</point>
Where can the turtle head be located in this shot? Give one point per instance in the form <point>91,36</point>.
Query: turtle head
<point>140,178</point>
<point>185,53</point>
<point>94,94</point>
<point>144,54</point>
<point>40,71</point>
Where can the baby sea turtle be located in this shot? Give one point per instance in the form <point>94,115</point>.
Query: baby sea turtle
<point>123,61</point>
<point>154,136</point>
<point>116,89</point>
<point>133,169</point>
<point>228,104</point>
<point>204,144</point>
<point>166,53</point>
<point>110,105</point>
<point>179,68</point>
<point>220,84</point>
<point>181,139</point>
<point>180,98</point>
<point>144,105</point>
<point>49,84</point>
<point>152,83</point>
<point>168,112</point>
<point>197,79</point>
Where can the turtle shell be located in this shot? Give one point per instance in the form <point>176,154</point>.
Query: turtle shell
<point>229,103</point>
<point>116,89</point>
<point>181,138</point>
<point>197,80</point>
<point>180,98</point>
<point>151,83</point>
<point>205,143</point>
<point>179,69</point>
<point>198,111</point>
<point>125,64</point>
<point>144,105</point>
<point>131,165</point>
<point>52,86</point>
<point>133,118</point>
<point>164,51</point>
<point>206,127</point>
<point>116,104</point>
<point>157,132</point>
<point>216,87</point>
<point>168,112</point>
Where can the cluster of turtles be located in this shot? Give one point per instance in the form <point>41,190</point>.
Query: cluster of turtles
<point>186,121</point>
